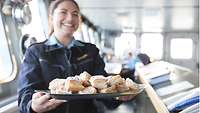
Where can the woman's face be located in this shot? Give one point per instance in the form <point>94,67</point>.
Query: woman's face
<point>65,19</point>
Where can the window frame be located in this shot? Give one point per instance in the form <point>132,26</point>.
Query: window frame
<point>13,60</point>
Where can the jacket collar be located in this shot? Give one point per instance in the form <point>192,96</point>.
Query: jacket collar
<point>53,44</point>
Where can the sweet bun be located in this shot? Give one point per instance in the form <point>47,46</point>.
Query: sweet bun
<point>122,87</point>
<point>98,81</point>
<point>87,84</point>
<point>111,89</point>
<point>56,83</point>
<point>57,86</point>
<point>85,77</point>
<point>73,85</point>
<point>60,91</point>
<point>114,80</point>
<point>88,90</point>
<point>132,85</point>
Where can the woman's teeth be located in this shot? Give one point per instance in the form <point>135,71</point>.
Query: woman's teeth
<point>69,25</point>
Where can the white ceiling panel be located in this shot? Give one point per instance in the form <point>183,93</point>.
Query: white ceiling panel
<point>116,14</point>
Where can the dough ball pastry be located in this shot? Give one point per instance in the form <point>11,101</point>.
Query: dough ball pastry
<point>85,77</point>
<point>114,80</point>
<point>98,81</point>
<point>111,89</point>
<point>57,86</point>
<point>73,85</point>
<point>132,85</point>
<point>88,90</point>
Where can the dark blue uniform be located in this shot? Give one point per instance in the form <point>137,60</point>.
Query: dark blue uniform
<point>48,60</point>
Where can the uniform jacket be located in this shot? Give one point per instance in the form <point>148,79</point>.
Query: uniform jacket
<point>48,60</point>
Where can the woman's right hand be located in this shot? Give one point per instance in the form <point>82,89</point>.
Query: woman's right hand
<point>42,102</point>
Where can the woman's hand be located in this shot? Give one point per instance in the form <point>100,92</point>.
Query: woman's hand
<point>41,102</point>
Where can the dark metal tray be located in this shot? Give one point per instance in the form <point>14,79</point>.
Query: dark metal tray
<point>91,96</point>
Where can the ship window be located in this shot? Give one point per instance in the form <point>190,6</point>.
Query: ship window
<point>36,23</point>
<point>85,33</point>
<point>6,65</point>
<point>179,44</point>
<point>91,33</point>
<point>152,20</point>
<point>124,44</point>
<point>97,39</point>
<point>78,35</point>
<point>152,45</point>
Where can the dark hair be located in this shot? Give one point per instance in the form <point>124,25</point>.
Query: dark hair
<point>54,4</point>
<point>144,58</point>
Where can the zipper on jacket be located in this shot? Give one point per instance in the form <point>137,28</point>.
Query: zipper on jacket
<point>67,61</point>
<point>67,58</point>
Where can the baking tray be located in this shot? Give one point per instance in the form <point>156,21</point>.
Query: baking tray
<point>92,96</point>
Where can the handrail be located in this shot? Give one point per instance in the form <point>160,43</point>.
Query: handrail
<point>156,101</point>
<point>9,108</point>
<point>9,105</point>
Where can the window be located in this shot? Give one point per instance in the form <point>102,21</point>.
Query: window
<point>152,20</point>
<point>6,66</point>
<point>97,39</point>
<point>85,33</point>
<point>125,43</point>
<point>91,33</point>
<point>179,44</point>
<point>152,45</point>
<point>36,23</point>
<point>78,35</point>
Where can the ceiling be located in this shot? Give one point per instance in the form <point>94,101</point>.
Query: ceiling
<point>119,14</point>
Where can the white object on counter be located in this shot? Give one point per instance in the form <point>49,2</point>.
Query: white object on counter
<point>192,109</point>
<point>189,96</point>
<point>176,97</point>
<point>184,85</point>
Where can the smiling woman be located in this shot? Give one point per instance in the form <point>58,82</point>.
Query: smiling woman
<point>60,56</point>
<point>71,38</point>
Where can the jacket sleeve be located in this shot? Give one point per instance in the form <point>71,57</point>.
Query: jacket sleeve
<point>29,79</point>
<point>99,64</point>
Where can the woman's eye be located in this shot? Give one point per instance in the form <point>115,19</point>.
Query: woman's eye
<point>75,14</point>
<point>63,12</point>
